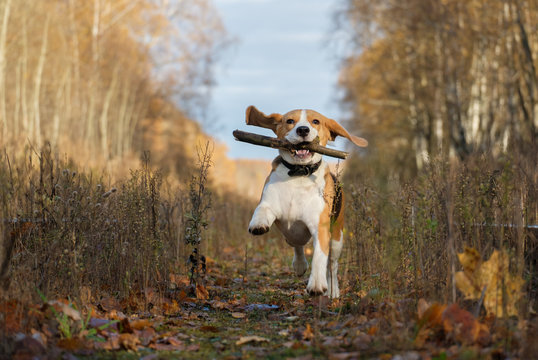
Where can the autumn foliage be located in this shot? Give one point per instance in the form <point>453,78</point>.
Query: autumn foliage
<point>440,257</point>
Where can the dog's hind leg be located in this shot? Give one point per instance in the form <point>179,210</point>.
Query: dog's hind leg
<point>300,265</point>
<point>332,267</point>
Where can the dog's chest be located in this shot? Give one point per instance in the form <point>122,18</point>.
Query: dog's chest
<point>299,197</point>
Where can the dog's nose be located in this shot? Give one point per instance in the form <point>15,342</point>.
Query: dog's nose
<point>303,131</point>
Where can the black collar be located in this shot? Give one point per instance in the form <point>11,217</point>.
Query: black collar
<point>300,170</point>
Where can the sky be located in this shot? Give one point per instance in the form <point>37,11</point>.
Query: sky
<point>279,60</point>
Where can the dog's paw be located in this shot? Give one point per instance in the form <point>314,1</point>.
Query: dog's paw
<point>258,230</point>
<point>333,291</point>
<point>300,265</point>
<point>316,286</point>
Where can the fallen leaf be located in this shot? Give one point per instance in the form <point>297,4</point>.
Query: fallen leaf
<point>112,343</point>
<point>422,306</point>
<point>108,304</point>
<point>12,315</point>
<point>146,336</point>
<point>502,290</point>
<point>125,326</point>
<point>116,315</point>
<point>139,324</point>
<point>252,338</point>
<point>66,309</point>
<point>72,344</point>
<point>170,307</point>
<point>129,341</point>
<point>170,343</point>
<point>463,326</point>
<point>308,334</point>
<point>373,330</point>
<point>432,316</point>
<point>209,328</point>
<point>201,292</point>
<point>220,305</point>
<point>238,315</point>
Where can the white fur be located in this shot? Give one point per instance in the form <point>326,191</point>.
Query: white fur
<point>332,267</point>
<point>294,138</point>
<point>295,205</point>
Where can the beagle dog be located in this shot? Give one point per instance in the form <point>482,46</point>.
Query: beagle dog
<point>302,197</point>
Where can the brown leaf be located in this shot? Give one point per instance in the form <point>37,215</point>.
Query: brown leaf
<point>308,334</point>
<point>139,324</point>
<point>170,307</point>
<point>422,306</point>
<point>112,343</point>
<point>463,326</point>
<point>209,328</point>
<point>146,335</point>
<point>109,304</point>
<point>115,315</point>
<point>432,316</point>
<point>220,305</point>
<point>170,343</point>
<point>125,326</point>
<point>72,344</point>
<point>373,330</point>
<point>12,314</point>
<point>129,341</point>
<point>252,338</point>
<point>201,292</point>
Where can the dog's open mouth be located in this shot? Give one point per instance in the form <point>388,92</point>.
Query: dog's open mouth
<point>301,154</point>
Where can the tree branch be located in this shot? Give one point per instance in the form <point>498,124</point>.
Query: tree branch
<point>275,143</point>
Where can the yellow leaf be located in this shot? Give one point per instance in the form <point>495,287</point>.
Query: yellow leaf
<point>502,290</point>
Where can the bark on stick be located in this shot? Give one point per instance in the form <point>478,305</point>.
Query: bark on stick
<point>275,143</point>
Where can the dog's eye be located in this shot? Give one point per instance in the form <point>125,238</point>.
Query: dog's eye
<point>290,121</point>
<point>315,122</point>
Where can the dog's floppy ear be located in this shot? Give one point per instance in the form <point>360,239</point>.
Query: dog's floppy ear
<point>338,130</point>
<point>257,118</point>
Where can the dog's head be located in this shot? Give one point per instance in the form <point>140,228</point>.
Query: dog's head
<point>298,126</point>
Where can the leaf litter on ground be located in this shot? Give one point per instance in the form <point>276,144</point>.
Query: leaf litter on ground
<point>246,320</point>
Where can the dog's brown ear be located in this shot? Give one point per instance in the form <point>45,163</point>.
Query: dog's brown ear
<point>338,130</point>
<point>257,118</point>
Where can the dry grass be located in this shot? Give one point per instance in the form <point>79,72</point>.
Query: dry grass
<point>65,230</point>
<point>68,232</point>
<point>404,236</point>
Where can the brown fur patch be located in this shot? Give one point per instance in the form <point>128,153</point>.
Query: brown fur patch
<point>331,222</point>
<point>324,233</point>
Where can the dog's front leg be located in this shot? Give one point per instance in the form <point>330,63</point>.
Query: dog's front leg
<point>317,283</point>
<point>262,219</point>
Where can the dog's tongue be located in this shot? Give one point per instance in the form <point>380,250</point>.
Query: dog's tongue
<point>302,153</point>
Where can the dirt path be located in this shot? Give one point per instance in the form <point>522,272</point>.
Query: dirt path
<point>266,315</point>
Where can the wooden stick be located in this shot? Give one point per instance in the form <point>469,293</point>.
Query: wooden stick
<point>286,145</point>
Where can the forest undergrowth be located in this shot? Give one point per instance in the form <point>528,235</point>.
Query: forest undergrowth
<point>440,267</point>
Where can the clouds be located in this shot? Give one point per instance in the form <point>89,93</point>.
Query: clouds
<point>279,63</point>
